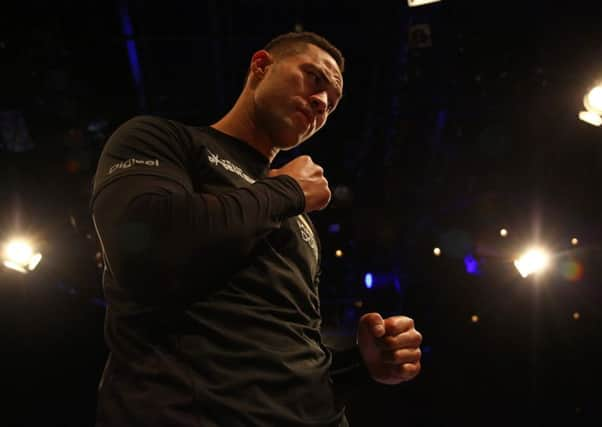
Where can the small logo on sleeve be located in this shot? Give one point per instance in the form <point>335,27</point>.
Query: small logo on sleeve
<point>132,162</point>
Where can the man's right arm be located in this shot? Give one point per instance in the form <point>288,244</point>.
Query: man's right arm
<point>154,229</point>
<point>151,227</point>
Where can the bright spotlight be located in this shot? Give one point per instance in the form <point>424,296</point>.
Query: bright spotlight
<point>593,100</point>
<point>413,3</point>
<point>368,279</point>
<point>503,232</point>
<point>19,255</point>
<point>574,241</point>
<point>590,117</point>
<point>436,251</point>
<point>531,262</point>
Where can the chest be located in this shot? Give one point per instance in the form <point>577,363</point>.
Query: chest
<point>294,238</point>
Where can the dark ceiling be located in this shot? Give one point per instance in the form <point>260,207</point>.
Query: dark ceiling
<point>458,118</point>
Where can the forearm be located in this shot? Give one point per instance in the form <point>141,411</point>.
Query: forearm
<point>151,226</point>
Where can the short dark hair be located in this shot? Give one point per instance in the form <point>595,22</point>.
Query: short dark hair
<point>295,42</point>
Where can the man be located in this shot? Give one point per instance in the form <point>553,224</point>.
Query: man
<point>212,263</point>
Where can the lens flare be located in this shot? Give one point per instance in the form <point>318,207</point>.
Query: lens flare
<point>571,270</point>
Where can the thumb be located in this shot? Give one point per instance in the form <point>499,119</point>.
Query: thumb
<point>373,323</point>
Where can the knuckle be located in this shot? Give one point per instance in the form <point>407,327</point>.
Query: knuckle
<point>399,355</point>
<point>417,337</point>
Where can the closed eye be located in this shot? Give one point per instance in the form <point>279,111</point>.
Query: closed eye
<point>317,78</point>
<point>319,81</point>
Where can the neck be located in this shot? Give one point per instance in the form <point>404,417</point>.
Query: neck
<point>239,123</point>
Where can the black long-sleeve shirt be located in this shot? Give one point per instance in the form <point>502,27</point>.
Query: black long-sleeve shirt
<point>211,280</point>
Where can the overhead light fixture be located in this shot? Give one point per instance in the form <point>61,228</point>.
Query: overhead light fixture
<point>19,255</point>
<point>414,3</point>
<point>533,261</point>
<point>592,102</point>
<point>590,117</point>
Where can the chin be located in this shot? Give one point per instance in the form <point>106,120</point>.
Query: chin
<point>288,142</point>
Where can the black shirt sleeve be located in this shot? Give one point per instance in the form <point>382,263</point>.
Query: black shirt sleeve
<point>348,372</point>
<point>154,227</point>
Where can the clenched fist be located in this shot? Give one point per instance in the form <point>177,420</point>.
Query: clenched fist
<point>310,178</point>
<point>390,347</point>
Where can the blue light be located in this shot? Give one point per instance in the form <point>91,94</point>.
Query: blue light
<point>130,43</point>
<point>334,228</point>
<point>368,280</point>
<point>471,264</point>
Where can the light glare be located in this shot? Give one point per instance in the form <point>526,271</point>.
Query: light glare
<point>590,117</point>
<point>413,3</point>
<point>34,261</point>
<point>533,261</point>
<point>14,266</point>
<point>594,99</point>
<point>437,251</point>
<point>19,255</point>
<point>18,251</point>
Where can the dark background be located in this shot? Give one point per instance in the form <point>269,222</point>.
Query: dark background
<point>459,118</point>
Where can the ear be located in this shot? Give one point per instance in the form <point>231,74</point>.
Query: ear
<point>260,62</point>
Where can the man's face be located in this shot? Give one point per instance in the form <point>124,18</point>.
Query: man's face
<point>296,95</point>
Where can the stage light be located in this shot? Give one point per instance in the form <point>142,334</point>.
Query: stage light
<point>593,105</point>
<point>437,251</point>
<point>471,264</point>
<point>414,3</point>
<point>338,253</point>
<point>19,255</point>
<point>576,315</point>
<point>574,241</point>
<point>593,100</point>
<point>368,278</point>
<point>334,228</point>
<point>590,117</point>
<point>383,280</point>
<point>503,232</point>
<point>533,261</point>
<point>474,318</point>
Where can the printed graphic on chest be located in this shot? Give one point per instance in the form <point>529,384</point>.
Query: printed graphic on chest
<point>227,165</point>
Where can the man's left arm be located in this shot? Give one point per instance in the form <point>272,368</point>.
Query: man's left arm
<point>387,351</point>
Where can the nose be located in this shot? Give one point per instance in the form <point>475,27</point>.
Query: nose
<point>318,102</point>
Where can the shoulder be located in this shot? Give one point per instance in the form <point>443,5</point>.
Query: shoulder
<point>152,124</point>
